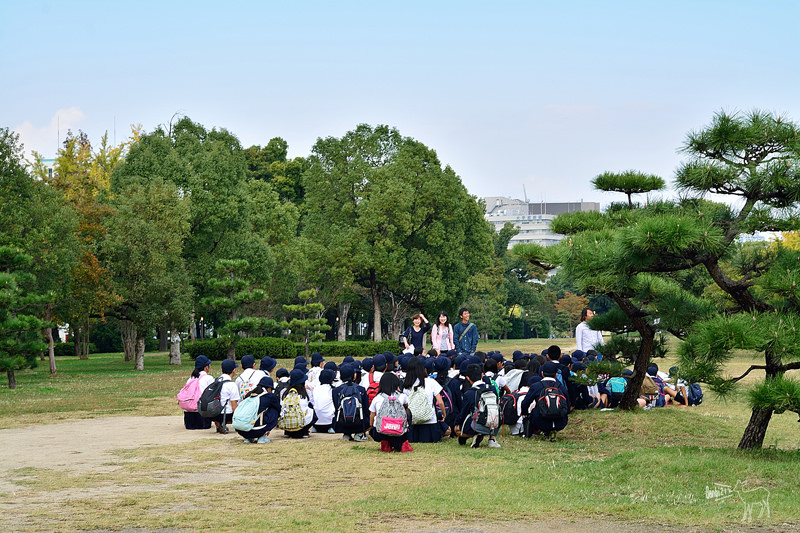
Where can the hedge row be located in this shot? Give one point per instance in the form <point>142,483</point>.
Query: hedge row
<point>278,348</point>
<point>68,348</point>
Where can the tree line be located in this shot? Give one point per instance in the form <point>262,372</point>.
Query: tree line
<point>183,226</point>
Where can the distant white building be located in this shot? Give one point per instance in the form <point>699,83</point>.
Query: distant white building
<point>532,218</point>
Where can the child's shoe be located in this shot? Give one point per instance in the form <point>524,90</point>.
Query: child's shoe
<point>493,443</point>
<point>385,446</point>
<point>406,447</point>
<point>264,440</point>
<point>476,441</point>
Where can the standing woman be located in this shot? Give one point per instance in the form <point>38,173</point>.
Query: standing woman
<point>415,334</point>
<point>442,334</point>
<point>585,337</point>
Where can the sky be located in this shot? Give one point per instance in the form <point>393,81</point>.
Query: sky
<point>543,95</point>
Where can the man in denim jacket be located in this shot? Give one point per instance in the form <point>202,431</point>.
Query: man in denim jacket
<point>465,333</point>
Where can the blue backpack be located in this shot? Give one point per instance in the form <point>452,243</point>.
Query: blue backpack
<point>246,414</point>
<point>695,394</point>
<point>350,412</point>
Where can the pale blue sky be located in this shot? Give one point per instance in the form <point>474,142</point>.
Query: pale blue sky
<point>545,94</point>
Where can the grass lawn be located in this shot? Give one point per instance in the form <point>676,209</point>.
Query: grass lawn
<point>645,467</point>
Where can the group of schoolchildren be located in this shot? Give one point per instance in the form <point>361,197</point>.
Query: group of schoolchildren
<point>399,400</point>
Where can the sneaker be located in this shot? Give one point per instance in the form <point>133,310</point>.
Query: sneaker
<point>462,440</point>
<point>313,430</point>
<point>476,441</point>
<point>347,437</point>
<point>552,436</point>
<point>223,429</point>
<point>264,440</point>
<point>360,437</point>
<point>385,446</point>
<point>249,441</point>
<point>406,447</point>
<point>330,430</point>
<point>493,443</point>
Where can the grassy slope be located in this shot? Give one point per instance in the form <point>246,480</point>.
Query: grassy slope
<point>652,466</point>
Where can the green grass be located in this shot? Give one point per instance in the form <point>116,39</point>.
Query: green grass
<point>650,467</point>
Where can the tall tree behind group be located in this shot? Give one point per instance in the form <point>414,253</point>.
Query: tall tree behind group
<point>229,216</point>
<point>39,221</point>
<point>397,220</point>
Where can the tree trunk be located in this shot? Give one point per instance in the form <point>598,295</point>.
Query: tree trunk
<point>191,329</point>
<point>139,362</point>
<point>128,332</point>
<point>162,339</point>
<point>376,317</point>
<point>76,341</point>
<point>174,346</point>
<point>647,335</point>
<point>85,341</point>
<point>12,379</point>
<point>756,429</point>
<point>344,310</point>
<point>48,333</point>
<point>232,350</point>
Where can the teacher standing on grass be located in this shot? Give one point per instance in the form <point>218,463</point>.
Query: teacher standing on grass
<point>585,337</point>
<point>415,334</point>
<point>465,333</point>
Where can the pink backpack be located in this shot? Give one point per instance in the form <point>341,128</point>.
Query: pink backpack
<point>189,395</point>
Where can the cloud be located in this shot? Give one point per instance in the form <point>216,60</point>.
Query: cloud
<point>46,139</point>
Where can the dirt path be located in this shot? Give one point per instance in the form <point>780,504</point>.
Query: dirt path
<point>81,446</point>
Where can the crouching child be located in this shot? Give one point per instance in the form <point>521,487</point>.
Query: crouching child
<point>388,416</point>
<point>480,411</point>
<point>258,413</point>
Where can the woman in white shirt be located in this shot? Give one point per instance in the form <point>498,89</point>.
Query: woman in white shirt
<point>585,337</point>
<point>417,380</point>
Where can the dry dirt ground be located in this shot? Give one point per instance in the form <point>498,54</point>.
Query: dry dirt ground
<point>93,445</point>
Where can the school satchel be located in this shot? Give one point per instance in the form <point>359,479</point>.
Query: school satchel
<point>421,409</point>
<point>391,418</point>
<point>210,404</point>
<point>189,395</point>
<point>292,417</point>
<point>552,404</point>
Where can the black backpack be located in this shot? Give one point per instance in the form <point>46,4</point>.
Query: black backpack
<point>508,407</point>
<point>210,403</point>
<point>552,404</point>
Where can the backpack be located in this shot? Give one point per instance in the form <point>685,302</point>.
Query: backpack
<point>246,386</point>
<point>189,395</point>
<point>421,409</point>
<point>449,406</point>
<point>350,412</point>
<point>391,419</point>
<point>616,386</point>
<point>210,404</point>
<point>649,387</point>
<point>695,394</point>
<point>508,408</point>
<point>487,409</point>
<point>551,404</point>
<point>246,414</point>
<point>372,390</point>
<point>279,386</point>
<point>292,417</point>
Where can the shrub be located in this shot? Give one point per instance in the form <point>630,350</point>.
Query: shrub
<point>68,348</point>
<point>279,348</point>
<point>217,349</point>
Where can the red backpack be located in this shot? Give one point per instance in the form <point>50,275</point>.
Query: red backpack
<point>372,390</point>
